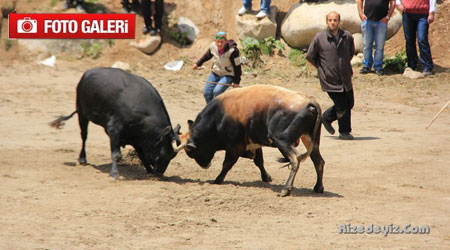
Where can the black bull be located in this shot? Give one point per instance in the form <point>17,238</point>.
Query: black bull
<point>241,121</point>
<point>132,113</point>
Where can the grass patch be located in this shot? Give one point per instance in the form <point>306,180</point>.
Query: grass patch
<point>179,37</point>
<point>396,63</point>
<point>92,49</point>
<point>8,44</point>
<point>253,49</point>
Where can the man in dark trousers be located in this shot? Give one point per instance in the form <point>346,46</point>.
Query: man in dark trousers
<point>417,17</point>
<point>374,16</point>
<point>157,16</point>
<point>331,52</point>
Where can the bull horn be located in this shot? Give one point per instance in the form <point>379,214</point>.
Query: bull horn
<point>176,148</point>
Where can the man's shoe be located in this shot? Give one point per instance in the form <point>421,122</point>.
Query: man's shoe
<point>65,6</point>
<point>346,136</point>
<point>154,32</point>
<point>80,8</point>
<point>242,11</point>
<point>379,72</point>
<point>328,127</point>
<point>364,70</point>
<point>146,30</point>
<point>427,72</point>
<point>261,15</point>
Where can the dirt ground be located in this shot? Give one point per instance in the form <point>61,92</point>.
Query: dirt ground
<point>394,172</point>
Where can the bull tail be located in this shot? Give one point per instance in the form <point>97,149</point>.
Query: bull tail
<point>316,130</point>
<point>59,123</point>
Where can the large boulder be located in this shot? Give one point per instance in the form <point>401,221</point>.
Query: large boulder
<point>148,45</point>
<point>249,26</point>
<point>305,20</point>
<point>357,39</point>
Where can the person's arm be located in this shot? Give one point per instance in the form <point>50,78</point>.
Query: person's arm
<point>390,12</point>
<point>359,4</point>
<point>208,55</point>
<point>432,11</point>
<point>236,62</point>
<point>313,52</point>
<point>352,47</point>
<point>399,5</point>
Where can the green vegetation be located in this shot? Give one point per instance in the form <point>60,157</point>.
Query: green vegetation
<point>298,58</point>
<point>395,64</point>
<point>92,49</point>
<point>253,49</point>
<point>180,37</point>
<point>8,44</point>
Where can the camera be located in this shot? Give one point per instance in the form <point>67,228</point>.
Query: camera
<point>26,25</point>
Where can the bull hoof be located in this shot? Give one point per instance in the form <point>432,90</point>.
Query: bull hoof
<point>115,177</point>
<point>285,192</point>
<point>267,179</point>
<point>218,181</point>
<point>82,161</point>
<point>318,189</point>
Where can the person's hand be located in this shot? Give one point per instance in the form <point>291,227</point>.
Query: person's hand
<point>363,17</point>
<point>431,17</point>
<point>195,66</point>
<point>400,7</point>
<point>235,85</point>
<point>384,20</point>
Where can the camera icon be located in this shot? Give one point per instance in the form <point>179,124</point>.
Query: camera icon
<point>26,25</point>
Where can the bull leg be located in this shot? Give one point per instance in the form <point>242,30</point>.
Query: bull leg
<point>259,161</point>
<point>230,159</point>
<point>319,164</point>
<point>83,122</point>
<point>116,156</point>
<point>290,153</point>
<point>141,156</point>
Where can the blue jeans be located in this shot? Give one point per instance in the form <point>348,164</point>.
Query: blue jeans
<point>212,89</point>
<point>265,5</point>
<point>373,31</point>
<point>417,24</point>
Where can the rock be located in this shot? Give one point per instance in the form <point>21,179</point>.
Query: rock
<point>147,45</point>
<point>305,20</point>
<point>357,38</point>
<point>121,65</point>
<point>249,26</point>
<point>357,60</point>
<point>186,25</point>
<point>410,73</point>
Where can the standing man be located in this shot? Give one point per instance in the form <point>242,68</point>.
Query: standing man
<point>417,16</point>
<point>157,16</point>
<point>375,18</point>
<point>331,52</point>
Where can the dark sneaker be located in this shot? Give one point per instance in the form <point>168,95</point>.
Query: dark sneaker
<point>328,127</point>
<point>146,30</point>
<point>427,72</point>
<point>346,136</point>
<point>379,72</point>
<point>65,6</point>
<point>155,32</point>
<point>364,70</point>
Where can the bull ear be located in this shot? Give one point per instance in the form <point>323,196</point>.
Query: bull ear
<point>176,130</point>
<point>190,123</point>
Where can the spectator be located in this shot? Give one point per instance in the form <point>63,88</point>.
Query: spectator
<point>331,52</point>
<point>226,68</point>
<point>265,8</point>
<point>375,18</point>
<point>157,16</point>
<point>130,8</point>
<point>417,16</point>
<point>78,5</point>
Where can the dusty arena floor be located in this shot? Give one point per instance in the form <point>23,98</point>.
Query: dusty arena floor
<point>394,172</point>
